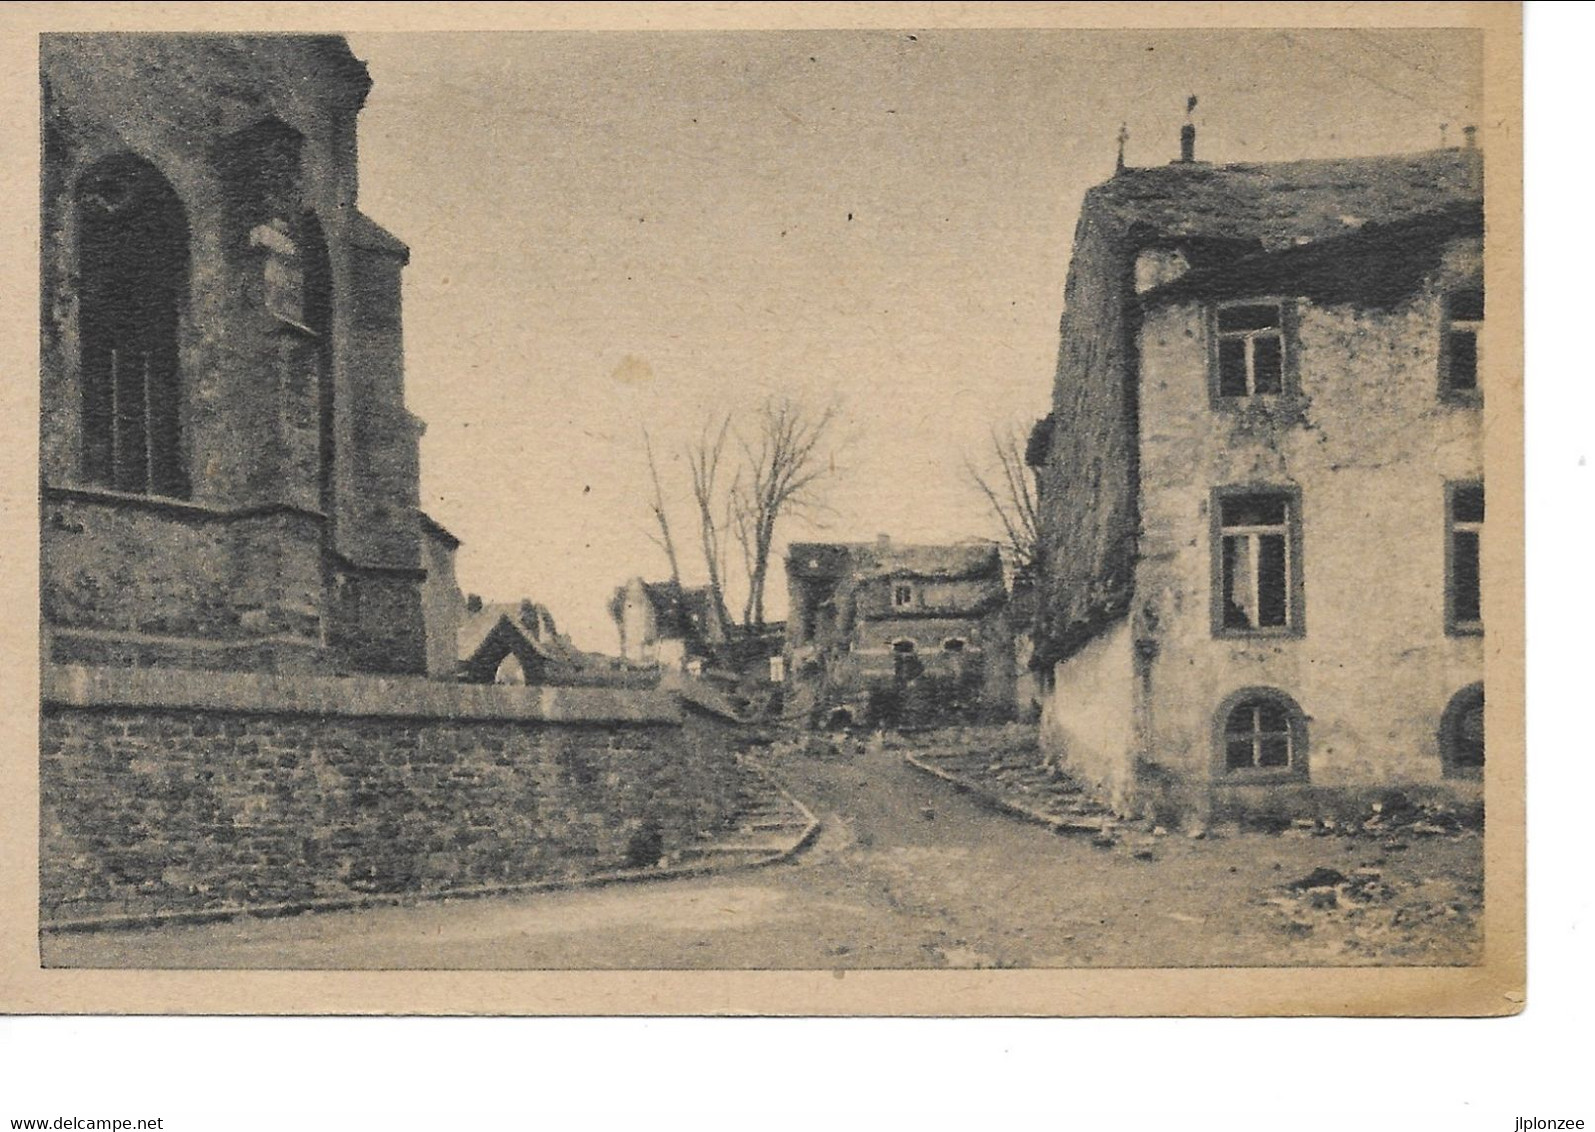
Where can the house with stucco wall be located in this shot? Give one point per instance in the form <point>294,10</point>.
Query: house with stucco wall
<point>1262,486</point>
<point>666,624</point>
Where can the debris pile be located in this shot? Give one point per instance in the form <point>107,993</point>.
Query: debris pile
<point>1362,914</point>
<point>1330,888</point>
<point>815,745</point>
<point>1396,813</point>
<point>1393,815</point>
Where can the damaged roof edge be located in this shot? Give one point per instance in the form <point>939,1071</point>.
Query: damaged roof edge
<point>1377,264</point>
<point>894,560</point>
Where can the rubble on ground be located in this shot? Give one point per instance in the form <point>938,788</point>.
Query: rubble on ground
<point>1362,912</point>
<point>1393,815</point>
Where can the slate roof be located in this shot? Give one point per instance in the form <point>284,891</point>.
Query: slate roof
<point>1274,205</point>
<point>528,620</point>
<point>1376,264</point>
<point>895,560</point>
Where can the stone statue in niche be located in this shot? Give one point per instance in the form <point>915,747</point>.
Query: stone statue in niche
<point>282,271</point>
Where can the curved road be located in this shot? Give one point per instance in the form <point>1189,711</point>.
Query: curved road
<point>906,872</point>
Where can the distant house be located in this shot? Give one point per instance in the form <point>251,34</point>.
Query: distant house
<point>883,633</point>
<point>666,624</point>
<point>514,643</point>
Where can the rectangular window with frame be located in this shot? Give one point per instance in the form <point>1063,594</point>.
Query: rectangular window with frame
<point>1250,358</point>
<point>1464,321</point>
<point>902,595</point>
<point>1257,562</point>
<point>1464,521</point>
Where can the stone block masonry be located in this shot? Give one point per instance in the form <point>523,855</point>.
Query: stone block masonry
<point>168,791</point>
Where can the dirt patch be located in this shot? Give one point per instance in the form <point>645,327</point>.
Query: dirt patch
<point>1367,913</point>
<point>1395,881</point>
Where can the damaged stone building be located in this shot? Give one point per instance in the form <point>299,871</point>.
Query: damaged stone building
<point>230,476</point>
<point>1262,485</point>
<point>888,634</point>
<point>666,624</point>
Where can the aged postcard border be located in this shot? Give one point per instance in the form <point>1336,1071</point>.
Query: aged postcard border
<point>1494,987</point>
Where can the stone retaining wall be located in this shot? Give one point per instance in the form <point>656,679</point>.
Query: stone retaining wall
<point>170,791</point>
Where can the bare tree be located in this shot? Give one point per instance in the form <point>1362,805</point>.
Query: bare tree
<point>743,482</point>
<point>783,462</point>
<point>704,459</point>
<point>657,505</point>
<point>1009,487</point>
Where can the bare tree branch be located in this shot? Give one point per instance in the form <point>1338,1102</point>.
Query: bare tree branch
<point>784,462</point>
<point>744,480</point>
<point>703,460</point>
<point>662,540</point>
<point>1008,486</point>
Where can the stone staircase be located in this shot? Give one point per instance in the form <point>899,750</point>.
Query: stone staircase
<point>768,824</point>
<point>1018,784</point>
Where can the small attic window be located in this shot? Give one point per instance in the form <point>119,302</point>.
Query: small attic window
<point>902,595</point>
<point>1250,358</point>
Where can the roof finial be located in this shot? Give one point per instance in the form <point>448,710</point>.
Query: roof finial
<point>1124,136</point>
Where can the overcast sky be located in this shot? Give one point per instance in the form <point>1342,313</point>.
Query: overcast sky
<point>617,229</point>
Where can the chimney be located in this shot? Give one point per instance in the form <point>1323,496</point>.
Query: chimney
<point>1188,134</point>
<point>1470,137</point>
<point>883,541</point>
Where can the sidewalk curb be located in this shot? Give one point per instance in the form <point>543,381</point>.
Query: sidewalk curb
<point>355,903</point>
<point>986,797</point>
